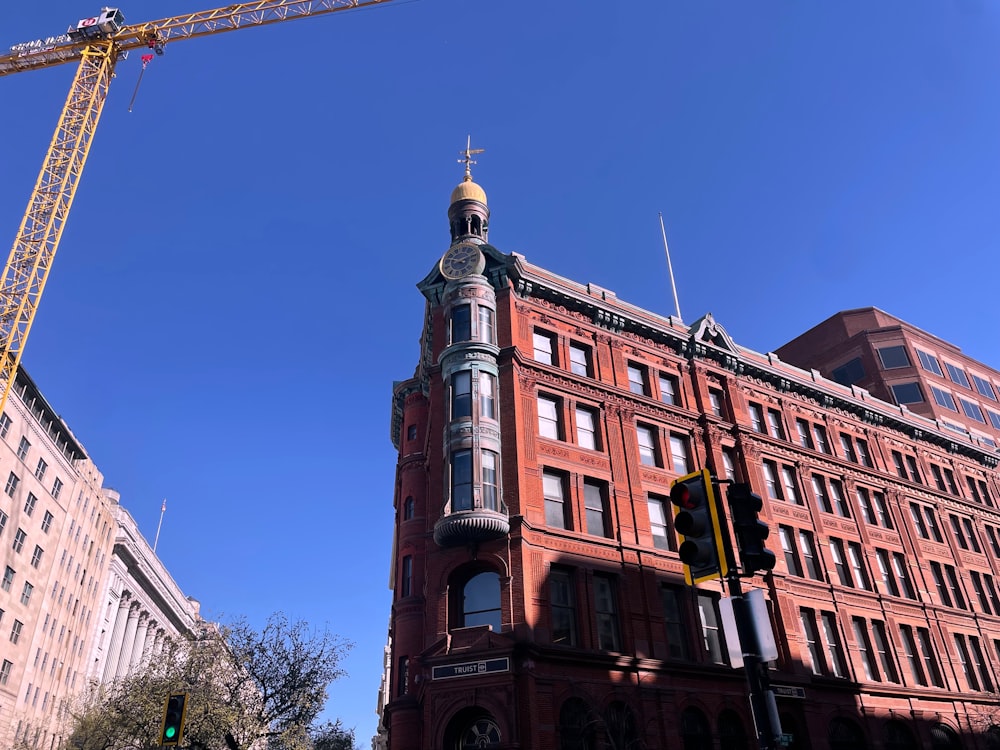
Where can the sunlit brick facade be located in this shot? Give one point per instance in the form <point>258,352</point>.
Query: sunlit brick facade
<point>538,598</point>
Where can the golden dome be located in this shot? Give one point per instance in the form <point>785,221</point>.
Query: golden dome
<point>468,190</point>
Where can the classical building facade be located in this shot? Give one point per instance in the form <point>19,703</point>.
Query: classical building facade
<point>539,601</point>
<point>69,554</point>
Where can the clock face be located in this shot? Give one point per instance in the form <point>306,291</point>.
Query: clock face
<point>461,260</point>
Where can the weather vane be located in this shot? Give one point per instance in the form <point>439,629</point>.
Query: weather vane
<point>467,155</point>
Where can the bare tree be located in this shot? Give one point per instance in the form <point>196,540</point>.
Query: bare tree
<point>246,690</point>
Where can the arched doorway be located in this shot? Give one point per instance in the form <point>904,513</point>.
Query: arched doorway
<point>472,728</point>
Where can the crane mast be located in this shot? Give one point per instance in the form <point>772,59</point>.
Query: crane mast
<point>27,268</point>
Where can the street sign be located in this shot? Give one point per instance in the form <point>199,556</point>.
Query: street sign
<point>788,691</point>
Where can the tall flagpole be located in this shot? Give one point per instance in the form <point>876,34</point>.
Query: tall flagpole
<point>670,268</point>
<point>163,509</point>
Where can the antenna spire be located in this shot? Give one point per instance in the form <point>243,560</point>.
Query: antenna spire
<point>670,269</point>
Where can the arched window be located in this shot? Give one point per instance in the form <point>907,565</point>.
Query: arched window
<point>408,506</point>
<point>480,601</point>
<point>695,730</point>
<point>619,723</point>
<point>899,737</point>
<point>944,737</point>
<point>846,735</point>
<point>577,728</point>
<point>732,735</point>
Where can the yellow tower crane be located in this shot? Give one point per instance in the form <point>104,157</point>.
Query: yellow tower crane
<point>97,44</point>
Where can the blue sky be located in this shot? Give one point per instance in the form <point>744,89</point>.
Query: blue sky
<point>234,293</point>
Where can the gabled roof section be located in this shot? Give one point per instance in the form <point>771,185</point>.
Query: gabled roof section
<point>706,330</point>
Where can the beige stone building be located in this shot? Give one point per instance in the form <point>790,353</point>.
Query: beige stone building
<point>82,596</point>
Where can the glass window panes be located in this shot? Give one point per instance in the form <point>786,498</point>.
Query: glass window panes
<point>943,398</point>
<point>679,454</point>
<point>929,362</point>
<point>907,393</point>
<point>461,323</point>
<point>957,375</point>
<point>668,389</point>
<point>586,428</point>
<point>548,417</point>
<point>579,359</point>
<point>637,380</point>
<point>563,608</point>
<point>552,489</point>
<point>893,357</point>
<point>971,409</point>
<point>593,501</point>
<point>544,349</point>
<point>658,522</point>
<point>984,387</point>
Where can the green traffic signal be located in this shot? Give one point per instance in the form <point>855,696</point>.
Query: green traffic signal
<point>173,719</point>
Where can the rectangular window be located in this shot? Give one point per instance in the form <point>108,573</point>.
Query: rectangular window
<point>637,379</point>
<point>461,394</point>
<point>586,428</point>
<point>648,454</point>
<point>984,387</point>
<point>461,480</point>
<point>40,468</point>
<point>407,577</point>
<point>903,576</point>
<point>553,487</point>
<point>812,564</point>
<point>26,593</point>
<point>822,444</point>
<point>957,375</point>
<point>679,453</point>
<point>715,401</point>
<point>930,661</point>
<point>711,631</point>
<point>5,669</point>
<point>774,426</point>
<point>943,398</point>
<point>674,620</point>
<point>882,510</point>
<point>864,457</point>
<point>888,581</point>
<point>955,587</point>
<point>544,348</point>
<point>579,359</point>
<point>57,486</point>
<point>22,448</point>
<point>907,393</point>
<point>942,588</point>
<point>865,649</point>
<point>19,537</point>
<point>932,525</point>
<point>864,502</point>
<point>491,487</point>
<point>834,649</point>
<point>668,389</point>
<point>461,323</point>
<point>771,480</point>
<point>3,521</point>
<point>910,648</point>
<point>487,325</point>
<point>994,418</point>
<point>729,463</point>
<point>8,578</point>
<point>786,535</point>
<point>595,500</point>
<point>46,523</point>
<point>991,592</point>
<point>15,635</point>
<point>894,357</point>
<point>839,500</point>
<point>548,418</point>
<point>487,395</point>
<point>972,410</point>
<point>849,372</point>
<point>36,556</point>
<point>790,485</point>
<point>29,504</point>
<point>848,448</point>
<point>819,490</point>
<point>808,619</point>
<point>977,586</point>
<point>658,514</point>
<point>858,566</point>
<point>965,661</point>
<point>563,607</point>
<point>12,482</point>
<point>897,461</point>
<point>956,529</point>
<point>949,479</point>
<point>805,437</point>
<point>840,562</point>
<point>756,417</point>
<point>606,612</point>
<point>930,363</point>
<point>884,649</point>
<point>979,660</point>
<point>911,465</point>
<point>4,425</point>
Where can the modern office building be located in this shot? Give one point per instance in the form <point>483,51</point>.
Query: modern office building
<point>539,601</point>
<point>69,554</point>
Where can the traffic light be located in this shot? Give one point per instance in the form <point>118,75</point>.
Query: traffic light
<point>751,532</point>
<point>173,719</point>
<point>697,522</point>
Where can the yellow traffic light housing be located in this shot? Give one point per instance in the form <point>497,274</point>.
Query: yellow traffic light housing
<point>697,522</point>
<point>174,712</point>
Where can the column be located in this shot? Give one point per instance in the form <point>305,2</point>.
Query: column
<point>114,648</point>
<point>140,640</point>
<point>128,640</point>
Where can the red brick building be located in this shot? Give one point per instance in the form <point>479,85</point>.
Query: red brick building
<point>538,598</point>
